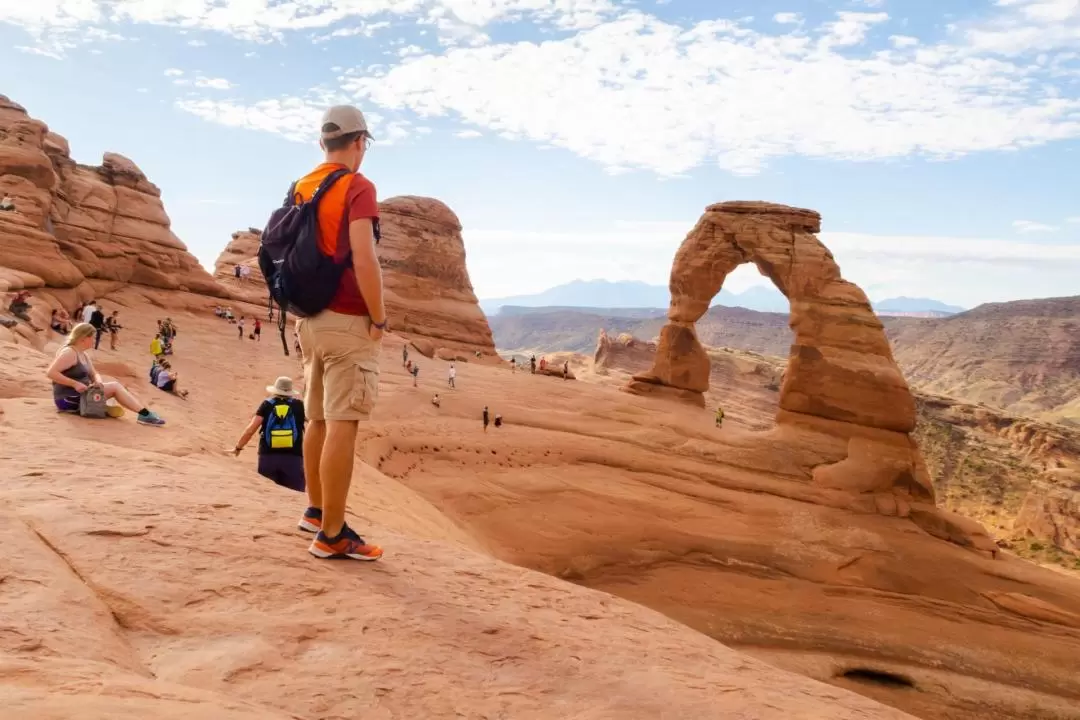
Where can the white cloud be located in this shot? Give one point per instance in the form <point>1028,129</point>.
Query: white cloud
<point>850,28</point>
<point>468,134</point>
<point>1027,26</point>
<point>1073,220</point>
<point>173,72</point>
<point>212,83</point>
<point>56,24</point>
<point>197,43</point>
<point>293,118</point>
<point>731,95</point>
<point>1030,226</point>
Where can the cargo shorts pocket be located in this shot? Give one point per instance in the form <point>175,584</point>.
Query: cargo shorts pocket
<point>365,391</point>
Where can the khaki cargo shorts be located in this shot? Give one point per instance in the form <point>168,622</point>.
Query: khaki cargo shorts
<point>341,366</point>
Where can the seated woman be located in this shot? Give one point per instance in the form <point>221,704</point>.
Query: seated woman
<point>58,323</point>
<point>72,373</point>
<point>166,380</point>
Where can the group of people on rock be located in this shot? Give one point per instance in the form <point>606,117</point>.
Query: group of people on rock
<point>103,324</point>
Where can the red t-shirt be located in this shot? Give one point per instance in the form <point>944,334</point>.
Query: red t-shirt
<point>344,203</point>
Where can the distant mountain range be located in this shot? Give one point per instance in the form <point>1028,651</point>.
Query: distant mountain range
<point>640,296</point>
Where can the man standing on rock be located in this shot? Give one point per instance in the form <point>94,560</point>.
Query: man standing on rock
<point>88,310</point>
<point>97,319</point>
<point>452,377</point>
<point>341,344</point>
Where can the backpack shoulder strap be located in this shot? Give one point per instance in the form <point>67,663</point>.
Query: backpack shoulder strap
<point>327,182</point>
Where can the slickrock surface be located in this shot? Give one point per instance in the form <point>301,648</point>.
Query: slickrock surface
<point>147,574</point>
<point>80,231</point>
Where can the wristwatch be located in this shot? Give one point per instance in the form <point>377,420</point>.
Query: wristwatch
<point>382,325</point>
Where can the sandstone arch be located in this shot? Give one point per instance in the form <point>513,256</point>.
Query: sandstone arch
<point>840,366</point>
<point>842,389</point>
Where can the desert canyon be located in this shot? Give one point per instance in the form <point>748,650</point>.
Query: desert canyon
<point>607,553</point>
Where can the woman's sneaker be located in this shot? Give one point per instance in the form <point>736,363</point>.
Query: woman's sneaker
<point>150,418</point>
<point>346,545</point>
<point>312,520</point>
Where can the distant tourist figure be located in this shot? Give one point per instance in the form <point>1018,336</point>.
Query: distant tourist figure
<point>168,331</point>
<point>72,374</point>
<point>565,369</point>
<point>166,379</point>
<point>415,373</point>
<point>404,355</point>
<point>57,322</point>
<point>719,416</point>
<point>20,305</point>
<point>112,324</point>
<point>543,364</point>
<point>97,319</point>
<point>88,310</point>
<point>498,421</point>
<point>257,330</point>
<point>435,400</point>
<point>156,348</point>
<point>280,422</point>
<point>240,327</point>
<point>236,272</point>
<point>7,204</point>
<point>532,364</point>
<point>485,418</point>
<point>451,376</point>
<point>513,365</point>
<point>342,338</point>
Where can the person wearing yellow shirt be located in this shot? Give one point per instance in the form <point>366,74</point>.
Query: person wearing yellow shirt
<point>155,347</point>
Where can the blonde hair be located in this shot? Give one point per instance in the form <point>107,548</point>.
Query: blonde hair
<point>79,332</point>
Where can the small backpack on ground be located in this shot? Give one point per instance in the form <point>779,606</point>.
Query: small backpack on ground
<point>92,402</point>
<point>280,430</point>
<point>300,277</point>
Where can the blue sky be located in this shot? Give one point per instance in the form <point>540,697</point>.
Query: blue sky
<point>939,139</point>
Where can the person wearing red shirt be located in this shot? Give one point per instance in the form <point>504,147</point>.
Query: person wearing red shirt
<point>341,344</point>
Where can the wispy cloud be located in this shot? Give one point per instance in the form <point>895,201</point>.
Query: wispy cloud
<point>1030,226</point>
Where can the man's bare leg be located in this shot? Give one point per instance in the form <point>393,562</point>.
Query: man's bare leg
<point>335,473</point>
<point>314,438</point>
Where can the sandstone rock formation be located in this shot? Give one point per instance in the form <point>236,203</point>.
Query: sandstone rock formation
<point>623,352</point>
<point>242,251</point>
<point>841,379</point>
<point>428,291</point>
<point>78,231</point>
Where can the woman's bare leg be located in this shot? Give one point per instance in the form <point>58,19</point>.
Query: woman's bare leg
<point>123,396</point>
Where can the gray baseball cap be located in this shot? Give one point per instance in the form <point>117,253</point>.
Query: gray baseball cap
<point>346,118</point>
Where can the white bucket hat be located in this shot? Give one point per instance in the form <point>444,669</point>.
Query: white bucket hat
<point>282,386</point>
